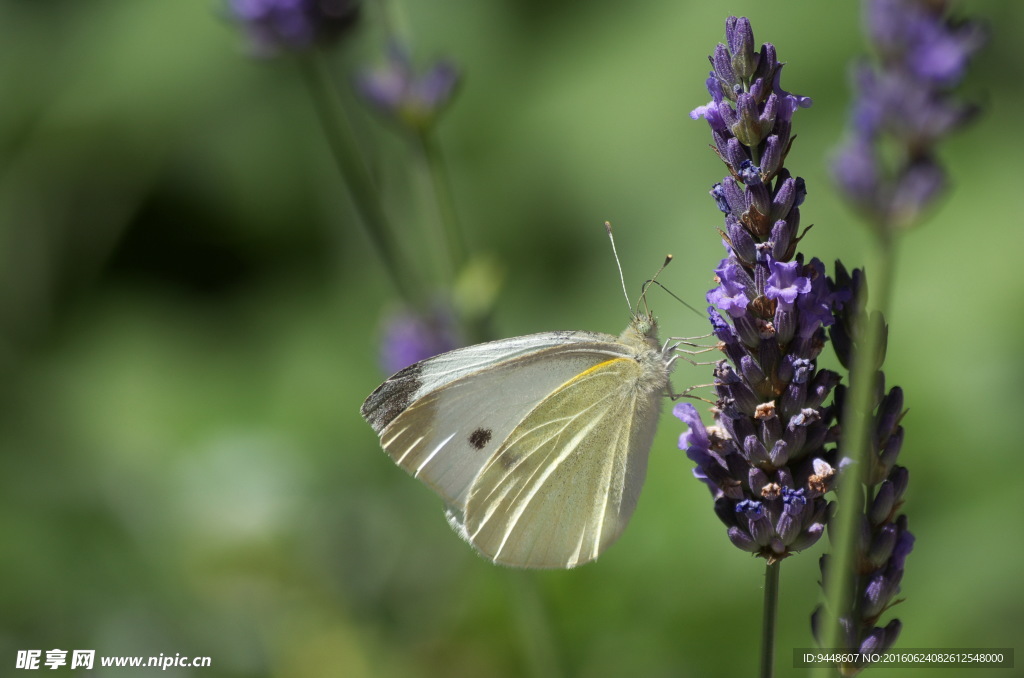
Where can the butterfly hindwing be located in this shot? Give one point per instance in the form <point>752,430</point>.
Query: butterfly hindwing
<point>564,484</point>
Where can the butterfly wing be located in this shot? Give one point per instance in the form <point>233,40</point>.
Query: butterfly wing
<point>564,484</point>
<point>442,419</point>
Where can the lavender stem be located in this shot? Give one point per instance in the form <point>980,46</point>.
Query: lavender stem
<point>353,169</point>
<point>768,622</point>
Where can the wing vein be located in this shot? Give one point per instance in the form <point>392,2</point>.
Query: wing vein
<point>430,456</point>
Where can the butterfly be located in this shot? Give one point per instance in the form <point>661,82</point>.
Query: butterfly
<point>537,444</point>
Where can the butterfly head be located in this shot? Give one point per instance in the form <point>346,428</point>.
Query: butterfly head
<point>644,324</point>
<point>642,331</point>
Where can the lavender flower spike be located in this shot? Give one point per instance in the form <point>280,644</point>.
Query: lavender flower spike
<point>766,459</point>
<point>875,494</point>
<point>887,167</point>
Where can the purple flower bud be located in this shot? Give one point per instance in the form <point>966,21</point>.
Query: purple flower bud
<point>784,199</point>
<point>727,115</point>
<point>883,504</point>
<point>752,372</point>
<point>741,240</point>
<point>747,127</point>
<point>890,411</point>
<point>778,456</point>
<point>771,159</point>
<point>891,633</point>
<point>767,63</point>
<point>749,330</point>
<point>787,528</point>
<point>759,199</point>
<point>889,453</point>
<point>758,90</point>
<point>721,61</point>
<point>872,644</point>
<point>734,196</point>
<point>904,544</point>
<point>820,387</point>
<point>881,588</point>
<point>882,545</point>
<point>740,37</point>
<point>754,452</point>
<point>793,399</point>
<point>899,477</point>
<point>801,192</point>
<point>742,540</point>
<point>781,240</point>
<point>761,531</point>
<point>808,537</point>
<point>767,117</point>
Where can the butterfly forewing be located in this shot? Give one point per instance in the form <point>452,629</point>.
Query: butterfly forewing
<point>444,418</point>
<point>564,484</point>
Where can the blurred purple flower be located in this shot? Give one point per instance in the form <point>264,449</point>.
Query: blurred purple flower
<point>293,25</point>
<point>411,336</point>
<point>887,167</point>
<point>399,92</point>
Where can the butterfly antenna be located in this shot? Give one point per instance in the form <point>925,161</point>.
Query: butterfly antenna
<point>654,281</point>
<point>615,253</point>
<point>674,296</point>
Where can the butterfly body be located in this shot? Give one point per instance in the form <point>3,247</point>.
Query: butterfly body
<point>537,444</point>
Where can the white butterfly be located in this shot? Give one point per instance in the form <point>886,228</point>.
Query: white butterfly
<point>537,444</point>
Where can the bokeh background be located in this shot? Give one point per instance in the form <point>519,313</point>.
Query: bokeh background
<point>190,319</point>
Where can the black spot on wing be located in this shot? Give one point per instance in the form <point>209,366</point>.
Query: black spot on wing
<point>480,437</point>
<point>392,397</point>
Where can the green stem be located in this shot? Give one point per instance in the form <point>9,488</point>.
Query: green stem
<point>771,606</point>
<point>473,325</point>
<point>455,250</point>
<point>352,166</point>
<point>854,443</point>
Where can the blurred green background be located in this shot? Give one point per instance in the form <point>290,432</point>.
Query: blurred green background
<point>189,320</point>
